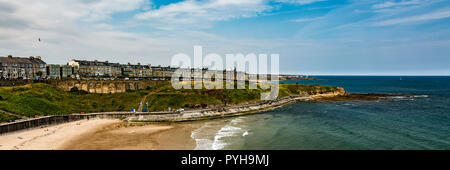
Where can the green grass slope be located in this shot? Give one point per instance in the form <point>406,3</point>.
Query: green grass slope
<point>45,99</point>
<point>201,98</point>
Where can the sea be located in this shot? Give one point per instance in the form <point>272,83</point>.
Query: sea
<point>420,122</point>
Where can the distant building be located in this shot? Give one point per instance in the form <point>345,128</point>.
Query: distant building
<point>56,71</point>
<point>168,71</point>
<point>138,70</point>
<point>53,71</point>
<point>66,71</point>
<point>162,72</point>
<point>157,71</point>
<point>96,68</point>
<point>16,68</point>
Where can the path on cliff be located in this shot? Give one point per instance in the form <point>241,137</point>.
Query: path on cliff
<point>141,104</point>
<point>13,114</point>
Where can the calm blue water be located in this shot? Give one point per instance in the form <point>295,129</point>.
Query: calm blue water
<point>420,122</point>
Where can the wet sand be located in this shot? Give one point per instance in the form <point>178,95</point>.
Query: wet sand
<point>103,134</point>
<point>124,136</point>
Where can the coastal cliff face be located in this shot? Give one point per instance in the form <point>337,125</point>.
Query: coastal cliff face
<point>106,86</point>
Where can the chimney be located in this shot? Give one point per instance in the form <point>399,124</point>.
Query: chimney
<point>31,57</point>
<point>139,64</point>
<point>38,57</point>
<point>129,63</point>
<point>9,56</point>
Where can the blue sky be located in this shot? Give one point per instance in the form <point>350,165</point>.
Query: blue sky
<point>387,37</point>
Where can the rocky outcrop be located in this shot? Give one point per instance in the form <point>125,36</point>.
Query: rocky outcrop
<point>339,92</point>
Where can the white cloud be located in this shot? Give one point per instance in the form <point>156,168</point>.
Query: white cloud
<point>65,27</point>
<point>79,29</point>
<point>301,2</point>
<point>57,13</point>
<point>425,17</point>
<point>202,13</point>
<point>306,19</point>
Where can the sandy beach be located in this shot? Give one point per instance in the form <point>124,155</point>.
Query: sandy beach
<point>102,134</point>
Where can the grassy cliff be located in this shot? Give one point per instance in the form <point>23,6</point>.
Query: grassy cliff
<point>45,99</point>
<point>192,99</point>
<point>201,98</point>
<point>298,89</point>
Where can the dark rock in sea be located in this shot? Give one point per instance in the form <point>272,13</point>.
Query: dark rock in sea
<point>362,97</point>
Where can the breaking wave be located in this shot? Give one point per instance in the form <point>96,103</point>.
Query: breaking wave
<point>213,135</point>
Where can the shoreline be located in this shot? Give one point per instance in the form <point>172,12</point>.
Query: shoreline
<point>143,131</point>
<point>114,134</point>
<point>231,111</point>
<point>103,134</point>
<point>51,137</point>
<point>125,136</point>
<point>190,115</point>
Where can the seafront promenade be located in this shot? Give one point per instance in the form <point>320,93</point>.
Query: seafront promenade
<point>189,115</point>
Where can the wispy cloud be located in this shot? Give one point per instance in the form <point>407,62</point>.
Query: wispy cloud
<point>203,13</point>
<point>441,14</point>
<point>301,2</point>
<point>390,4</point>
<point>305,19</point>
<point>56,13</point>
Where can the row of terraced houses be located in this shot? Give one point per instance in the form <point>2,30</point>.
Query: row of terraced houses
<point>35,68</point>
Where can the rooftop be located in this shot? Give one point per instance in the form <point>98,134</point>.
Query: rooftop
<point>11,59</point>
